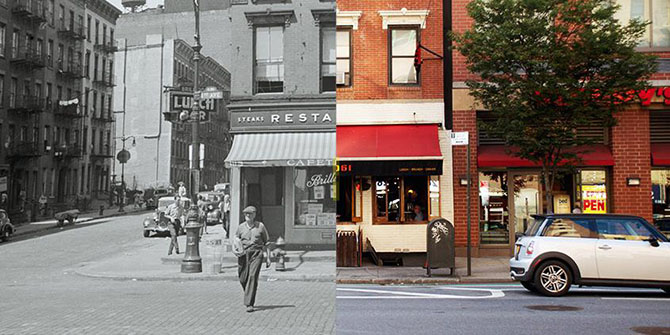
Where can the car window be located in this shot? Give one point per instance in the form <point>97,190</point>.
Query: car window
<point>567,227</point>
<point>534,227</point>
<point>624,229</point>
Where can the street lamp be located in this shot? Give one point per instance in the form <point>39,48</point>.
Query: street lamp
<point>123,156</point>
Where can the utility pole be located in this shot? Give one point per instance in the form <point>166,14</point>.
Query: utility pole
<point>195,114</point>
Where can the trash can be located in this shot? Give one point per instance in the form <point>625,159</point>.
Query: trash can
<point>347,248</point>
<point>440,251</point>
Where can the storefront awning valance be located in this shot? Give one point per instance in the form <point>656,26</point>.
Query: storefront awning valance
<point>282,149</point>
<point>388,142</point>
<point>502,156</point>
<point>660,154</point>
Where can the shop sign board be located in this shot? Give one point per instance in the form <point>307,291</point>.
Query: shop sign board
<point>181,101</point>
<point>390,168</point>
<point>594,199</point>
<point>283,119</point>
<point>562,204</point>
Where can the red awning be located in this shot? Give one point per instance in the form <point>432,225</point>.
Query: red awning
<point>499,156</point>
<point>391,142</point>
<point>660,154</point>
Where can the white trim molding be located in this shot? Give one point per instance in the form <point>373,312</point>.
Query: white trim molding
<point>376,113</point>
<point>348,18</point>
<point>403,17</point>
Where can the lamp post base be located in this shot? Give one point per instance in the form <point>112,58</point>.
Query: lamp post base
<point>191,266</point>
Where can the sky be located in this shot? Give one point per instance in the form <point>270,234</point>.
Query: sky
<point>150,3</point>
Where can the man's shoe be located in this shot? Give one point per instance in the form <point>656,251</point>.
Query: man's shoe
<point>170,253</point>
<point>250,309</point>
<point>177,252</point>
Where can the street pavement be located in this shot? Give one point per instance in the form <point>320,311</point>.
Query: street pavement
<point>42,292</point>
<point>498,309</point>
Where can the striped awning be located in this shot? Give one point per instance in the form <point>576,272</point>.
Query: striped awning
<point>282,149</point>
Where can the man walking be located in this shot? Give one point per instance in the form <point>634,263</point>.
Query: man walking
<point>173,214</point>
<point>250,240</point>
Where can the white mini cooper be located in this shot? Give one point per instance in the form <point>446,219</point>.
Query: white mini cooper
<point>559,250</point>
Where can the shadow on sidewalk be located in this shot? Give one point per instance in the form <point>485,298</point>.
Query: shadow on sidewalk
<point>269,307</point>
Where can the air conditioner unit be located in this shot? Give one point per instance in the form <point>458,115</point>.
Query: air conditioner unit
<point>340,78</point>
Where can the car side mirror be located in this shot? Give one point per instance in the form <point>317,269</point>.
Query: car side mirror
<point>653,241</point>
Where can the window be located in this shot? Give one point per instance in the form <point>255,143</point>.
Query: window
<point>3,30</point>
<point>50,53</point>
<point>95,67</point>
<point>60,56</point>
<point>50,9</point>
<point>403,199</point>
<point>565,227</point>
<point>38,47</point>
<point>269,66</point>
<point>47,136</point>
<point>88,28</point>
<point>403,42</point>
<point>350,199</point>
<point>97,30</point>
<point>343,57</point>
<point>2,90</point>
<point>104,34</point>
<point>13,87</point>
<point>87,64</point>
<point>624,229</point>
<point>15,43</point>
<point>49,94</point>
<point>328,59</point>
<point>314,196</point>
<point>656,11</point>
<point>61,17</point>
<point>660,190</point>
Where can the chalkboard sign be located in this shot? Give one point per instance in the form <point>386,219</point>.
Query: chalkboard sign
<point>440,251</point>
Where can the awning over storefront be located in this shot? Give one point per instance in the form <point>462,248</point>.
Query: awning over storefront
<point>282,149</point>
<point>660,154</point>
<point>389,150</point>
<point>500,156</point>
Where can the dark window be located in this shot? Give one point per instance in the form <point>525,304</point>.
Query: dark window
<point>566,227</point>
<point>328,59</point>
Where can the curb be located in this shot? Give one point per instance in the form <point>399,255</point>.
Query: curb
<point>414,281</point>
<point>49,227</point>
<point>205,277</point>
<point>233,260</point>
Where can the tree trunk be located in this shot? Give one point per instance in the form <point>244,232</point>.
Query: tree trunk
<point>548,190</point>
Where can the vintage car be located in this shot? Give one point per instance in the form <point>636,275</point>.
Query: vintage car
<point>152,196</point>
<point>158,223</point>
<point>212,212</point>
<point>6,227</point>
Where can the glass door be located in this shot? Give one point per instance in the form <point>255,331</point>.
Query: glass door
<point>527,201</point>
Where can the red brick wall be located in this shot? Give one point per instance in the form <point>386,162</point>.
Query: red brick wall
<point>631,151</point>
<point>370,52</point>
<point>465,120</point>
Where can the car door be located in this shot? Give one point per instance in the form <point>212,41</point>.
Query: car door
<point>574,237</point>
<point>623,251</point>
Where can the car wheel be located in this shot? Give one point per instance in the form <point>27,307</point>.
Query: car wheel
<point>147,233</point>
<point>5,235</point>
<point>529,286</point>
<point>553,278</point>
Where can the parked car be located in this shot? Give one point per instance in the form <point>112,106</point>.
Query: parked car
<point>559,250</point>
<point>152,195</point>
<point>212,213</point>
<point>158,223</point>
<point>6,227</point>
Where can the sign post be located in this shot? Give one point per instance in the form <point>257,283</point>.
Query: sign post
<point>463,138</point>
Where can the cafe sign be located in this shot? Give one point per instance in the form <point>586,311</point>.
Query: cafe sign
<point>276,120</point>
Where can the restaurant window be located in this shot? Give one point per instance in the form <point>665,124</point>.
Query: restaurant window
<point>343,57</point>
<point>314,193</point>
<point>656,12</point>
<point>592,191</point>
<point>660,190</point>
<point>269,59</point>
<point>403,199</point>
<point>328,59</point>
<point>403,42</point>
<point>350,198</point>
<point>493,208</point>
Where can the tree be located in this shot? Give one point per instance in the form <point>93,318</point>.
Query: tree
<point>549,66</point>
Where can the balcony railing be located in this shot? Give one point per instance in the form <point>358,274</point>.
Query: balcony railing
<point>71,110</point>
<point>105,80</point>
<point>72,30</point>
<point>23,149</point>
<point>33,10</point>
<point>27,56</point>
<point>70,70</point>
<point>106,46</point>
<point>68,151</point>
<point>26,103</point>
<point>104,152</point>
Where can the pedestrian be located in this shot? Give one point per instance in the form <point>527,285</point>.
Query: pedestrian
<point>182,190</point>
<point>225,209</point>
<point>202,211</point>
<point>137,199</point>
<point>173,214</point>
<point>251,239</point>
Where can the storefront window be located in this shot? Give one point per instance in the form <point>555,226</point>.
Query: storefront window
<point>314,190</point>
<point>493,210</point>
<point>660,189</point>
<point>350,199</point>
<point>406,199</point>
<point>592,189</point>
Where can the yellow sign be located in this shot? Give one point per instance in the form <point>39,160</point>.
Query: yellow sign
<point>594,199</point>
<point>562,204</point>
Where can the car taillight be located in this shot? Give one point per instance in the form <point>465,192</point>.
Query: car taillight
<point>530,248</point>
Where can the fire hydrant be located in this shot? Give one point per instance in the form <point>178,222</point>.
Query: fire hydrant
<point>280,254</point>
<point>192,263</point>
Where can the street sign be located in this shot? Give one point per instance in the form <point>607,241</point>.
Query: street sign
<point>212,95</point>
<point>123,156</point>
<point>459,138</point>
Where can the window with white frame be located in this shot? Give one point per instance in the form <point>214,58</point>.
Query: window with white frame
<point>269,60</point>
<point>328,59</point>
<point>403,42</point>
<point>343,57</point>
<point>3,30</point>
<point>657,12</point>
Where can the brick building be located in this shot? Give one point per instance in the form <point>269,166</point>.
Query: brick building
<point>629,162</point>
<point>42,118</point>
<point>393,153</point>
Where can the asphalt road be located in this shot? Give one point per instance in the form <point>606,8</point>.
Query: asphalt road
<point>499,309</point>
<point>41,294</point>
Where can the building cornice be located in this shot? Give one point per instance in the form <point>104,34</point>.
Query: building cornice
<point>348,18</point>
<point>404,17</point>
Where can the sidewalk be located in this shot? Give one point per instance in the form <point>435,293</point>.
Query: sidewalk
<point>38,226</point>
